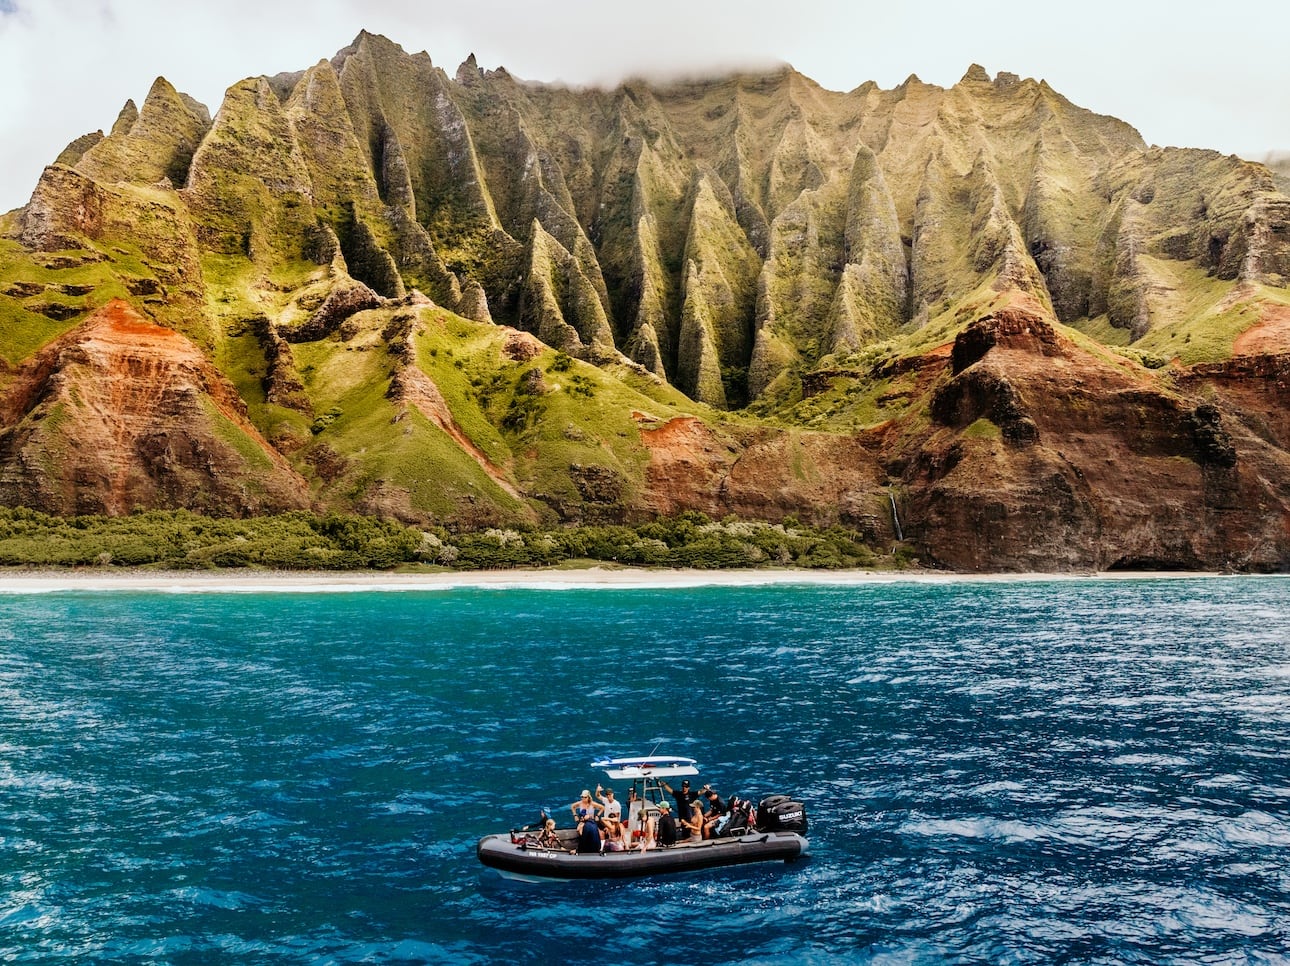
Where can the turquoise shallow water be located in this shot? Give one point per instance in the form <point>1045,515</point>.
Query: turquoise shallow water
<point>1077,772</point>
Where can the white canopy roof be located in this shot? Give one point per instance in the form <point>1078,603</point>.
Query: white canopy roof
<point>662,766</point>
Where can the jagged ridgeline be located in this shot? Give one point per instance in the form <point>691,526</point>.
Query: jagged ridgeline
<point>481,300</point>
<point>719,233</point>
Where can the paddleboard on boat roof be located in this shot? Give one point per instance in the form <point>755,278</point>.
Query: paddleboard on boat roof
<point>655,766</point>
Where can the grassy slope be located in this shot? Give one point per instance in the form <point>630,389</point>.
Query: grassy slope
<point>582,418</point>
<point>23,330</point>
<point>1195,317</point>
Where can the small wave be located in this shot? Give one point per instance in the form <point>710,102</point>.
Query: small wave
<point>29,914</point>
<point>215,898</point>
<point>1001,788</point>
<point>1254,828</point>
<point>1158,761</point>
<point>1006,830</point>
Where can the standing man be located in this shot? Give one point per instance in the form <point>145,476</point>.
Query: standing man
<point>613,807</point>
<point>685,799</point>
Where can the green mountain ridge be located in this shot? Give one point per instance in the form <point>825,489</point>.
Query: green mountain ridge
<point>475,300</point>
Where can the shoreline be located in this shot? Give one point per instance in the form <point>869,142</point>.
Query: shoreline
<point>21,581</point>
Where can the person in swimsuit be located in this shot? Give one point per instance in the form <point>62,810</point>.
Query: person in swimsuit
<point>648,831</point>
<point>694,824</point>
<point>614,838</point>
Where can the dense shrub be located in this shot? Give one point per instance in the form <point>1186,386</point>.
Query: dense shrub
<point>305,541</point>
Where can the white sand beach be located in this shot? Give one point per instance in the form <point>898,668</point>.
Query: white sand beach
<point>19,581</point>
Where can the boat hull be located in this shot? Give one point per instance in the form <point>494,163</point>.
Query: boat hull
<point>499,852</point>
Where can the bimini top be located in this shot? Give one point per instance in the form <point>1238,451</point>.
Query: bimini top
<point>662,766</point>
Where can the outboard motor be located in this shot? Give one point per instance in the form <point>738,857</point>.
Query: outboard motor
<point>779,813</point>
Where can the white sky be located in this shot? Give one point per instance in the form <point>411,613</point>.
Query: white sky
<point>1182,73</point>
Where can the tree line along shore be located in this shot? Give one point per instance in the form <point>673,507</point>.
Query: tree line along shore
<point>183,540</point>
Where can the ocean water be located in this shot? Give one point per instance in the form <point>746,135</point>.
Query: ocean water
<point>996,772</point>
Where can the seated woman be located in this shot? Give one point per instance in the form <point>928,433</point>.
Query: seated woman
<point>615,840</point>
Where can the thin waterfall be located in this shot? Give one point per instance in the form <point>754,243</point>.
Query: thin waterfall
<point>895,520</point>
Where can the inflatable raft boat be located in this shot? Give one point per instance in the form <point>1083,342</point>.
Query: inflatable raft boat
<point>776,834</point>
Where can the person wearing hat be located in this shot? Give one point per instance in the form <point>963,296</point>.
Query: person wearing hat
<point>690,828</point>
<point>685,798</point>
<point>614,839</point>
<point>584,809</point>
<point>666,825</point>
<point>605,796</point>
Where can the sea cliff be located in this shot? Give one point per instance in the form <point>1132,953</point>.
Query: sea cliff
<point>981,316</point>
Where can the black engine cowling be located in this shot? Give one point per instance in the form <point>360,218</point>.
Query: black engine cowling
<point>779,813</point>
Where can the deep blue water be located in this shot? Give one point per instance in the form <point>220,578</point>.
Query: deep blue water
<point>1049,771</point>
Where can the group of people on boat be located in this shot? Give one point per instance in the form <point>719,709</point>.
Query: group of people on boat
<point>701,814</point>
<point>599,822</point>
<point>601,827</point>
<point>649,832</point>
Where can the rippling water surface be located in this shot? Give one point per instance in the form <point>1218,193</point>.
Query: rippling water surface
<point>1064,771</point>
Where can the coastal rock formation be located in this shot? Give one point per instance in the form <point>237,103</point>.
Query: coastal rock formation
<point>1043,454</point>
<point>983,311</point>
<point>763,475</point>
<point>121,414</point>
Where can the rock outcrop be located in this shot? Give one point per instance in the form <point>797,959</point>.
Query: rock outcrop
<point>121,414</point>
<point>1042,455</point>
<point>763,475</point>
